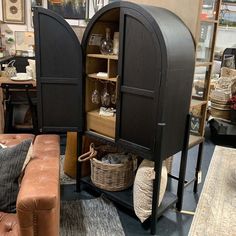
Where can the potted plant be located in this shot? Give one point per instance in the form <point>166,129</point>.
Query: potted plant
<point>232,102</point>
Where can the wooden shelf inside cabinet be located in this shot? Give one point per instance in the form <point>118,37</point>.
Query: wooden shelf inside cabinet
<point>103,56</point>
<point>125,197</point>
<point>104,125</point>
<point>94,76</point>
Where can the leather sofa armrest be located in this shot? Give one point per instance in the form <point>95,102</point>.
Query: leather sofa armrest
<point>14,139</point>
<point>38,201</point>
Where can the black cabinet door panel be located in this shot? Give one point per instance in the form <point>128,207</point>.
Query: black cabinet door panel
<point>134,124</point>
<point>141,56</point>
<point>139,70</point>
<point>59,73</point>
<point>57,120</point>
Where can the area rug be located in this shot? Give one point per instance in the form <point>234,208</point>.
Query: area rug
<point>216,209</point>
<point>64,179</point>
<point>93,217</point>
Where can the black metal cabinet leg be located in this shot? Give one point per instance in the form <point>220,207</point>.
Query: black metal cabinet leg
<point>78,169</point>
<point>8,117</point>
<point>183,165</point>
<point>155,196</point>
<point>198,166</point>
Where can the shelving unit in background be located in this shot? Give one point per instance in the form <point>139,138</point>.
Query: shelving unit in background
<point>206,38</point>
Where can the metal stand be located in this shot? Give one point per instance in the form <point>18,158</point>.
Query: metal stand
<point>157,180</point>
<point>155,196</point>
<point>156,211</point>
<point>183,164</point>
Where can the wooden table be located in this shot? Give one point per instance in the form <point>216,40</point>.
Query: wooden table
<point>216,210</point>
<point>9,81</point>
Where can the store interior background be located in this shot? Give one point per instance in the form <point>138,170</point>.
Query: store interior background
<point>225,39</point>
<point>225,36</point>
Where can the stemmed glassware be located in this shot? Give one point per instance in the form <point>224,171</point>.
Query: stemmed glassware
<point>113,95</point>
<point>105,97</point>
<point>95,95</point>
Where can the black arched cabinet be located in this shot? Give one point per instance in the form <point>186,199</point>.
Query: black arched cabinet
<point>151,79</point>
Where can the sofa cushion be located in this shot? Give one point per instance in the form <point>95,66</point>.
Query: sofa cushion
<point>11,162</point>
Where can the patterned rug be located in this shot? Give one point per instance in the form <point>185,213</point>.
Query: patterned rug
<point>94,217</point>
<point>216,210</point>
<point>64,179</point>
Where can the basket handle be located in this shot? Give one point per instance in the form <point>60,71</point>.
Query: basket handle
<point>88,155</point>
<point>11,63</point>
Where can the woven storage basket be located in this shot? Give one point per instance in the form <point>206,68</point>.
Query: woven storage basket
<point>110,177</point>
<point>220,110</point>
<point>220,113</point>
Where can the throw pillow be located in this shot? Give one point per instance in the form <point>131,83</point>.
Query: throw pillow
<point>11,162</point>
<point>143,188</point>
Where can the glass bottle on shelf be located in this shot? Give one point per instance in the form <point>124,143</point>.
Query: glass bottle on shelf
<point>106,46</point>
<point>113,95</point>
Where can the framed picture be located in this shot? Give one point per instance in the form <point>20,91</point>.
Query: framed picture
<point>69,9</point>
<point>24,40</point>
<point>13,11</point>
<point>95,5</point>
<point>195,125</point>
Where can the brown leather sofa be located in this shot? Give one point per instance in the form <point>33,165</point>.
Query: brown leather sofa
<point>38,201</point>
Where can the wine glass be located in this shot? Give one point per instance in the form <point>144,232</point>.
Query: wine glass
<point>113,96</point>
<point>95,95</point>
<point>105,97</point>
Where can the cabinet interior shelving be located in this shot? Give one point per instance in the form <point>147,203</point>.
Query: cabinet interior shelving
<point>108,65</point>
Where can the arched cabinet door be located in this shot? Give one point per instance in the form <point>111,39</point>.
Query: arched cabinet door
<point>140,77</point>
<point>59,73</point>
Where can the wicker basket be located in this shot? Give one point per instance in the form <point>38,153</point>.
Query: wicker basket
<point>110,177</point>
<point>220,110</point>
